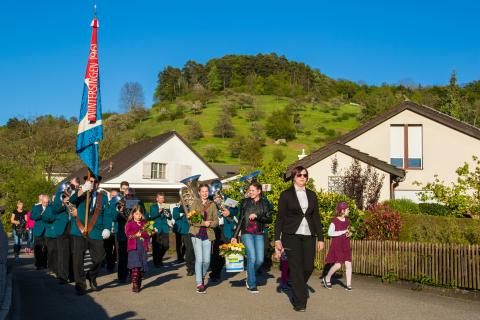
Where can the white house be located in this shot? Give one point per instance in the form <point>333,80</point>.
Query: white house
<point>408,143</point>
<point>153,165</point>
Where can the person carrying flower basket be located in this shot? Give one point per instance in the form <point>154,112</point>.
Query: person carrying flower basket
<point>138,232</point>
<point>203,219</point>
<point>255,213</point>
<point>233,253</point>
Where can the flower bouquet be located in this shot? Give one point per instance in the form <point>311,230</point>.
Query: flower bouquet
<point>233,253</point>
<point>149,228</point>
<point>195,217</point>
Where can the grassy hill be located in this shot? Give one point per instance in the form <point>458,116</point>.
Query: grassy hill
<point>319,124</point>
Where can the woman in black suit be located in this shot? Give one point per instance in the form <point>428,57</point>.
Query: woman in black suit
<point>298,231</point>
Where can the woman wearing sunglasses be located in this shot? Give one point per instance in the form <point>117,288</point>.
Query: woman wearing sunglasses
<point>298,232</point>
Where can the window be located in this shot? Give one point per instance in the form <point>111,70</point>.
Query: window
<point>158,170</point>
<point>335,184</point>
<point>406,146</point>
<point>154,170</point>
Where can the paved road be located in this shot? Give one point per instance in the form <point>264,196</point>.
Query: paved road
<point>169,294</point>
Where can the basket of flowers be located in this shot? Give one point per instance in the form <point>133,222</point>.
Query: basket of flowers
<point>233,253</point>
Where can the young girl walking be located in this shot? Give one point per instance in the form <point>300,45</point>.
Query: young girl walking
<point>137,246</point>
<point>340,249</point>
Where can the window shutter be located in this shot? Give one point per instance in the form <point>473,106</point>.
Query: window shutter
<point>397,146</point>
<point>147,170</point>
<point>186,171</point>
<point>178,172</point>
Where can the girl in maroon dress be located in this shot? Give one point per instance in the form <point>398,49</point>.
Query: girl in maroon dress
<point>340,249</point>
<point>137,246</point>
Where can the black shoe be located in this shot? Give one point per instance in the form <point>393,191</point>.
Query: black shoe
<point>215,279</point>
<point>79,290</point>
<point>93,284</point>
<point>299,309</point>
<point>190,273</point>
<point>62,281</point>
<point>159,265</point>
<point>253,290</point>
<point>326,284</point>
<point>348,288</point>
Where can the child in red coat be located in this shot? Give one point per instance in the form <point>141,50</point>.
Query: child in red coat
<point>137,246</point>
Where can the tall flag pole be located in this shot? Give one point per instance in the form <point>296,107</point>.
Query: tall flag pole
<point>90,130</point>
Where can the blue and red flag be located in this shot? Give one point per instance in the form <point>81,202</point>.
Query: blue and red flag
<point>90,130</point>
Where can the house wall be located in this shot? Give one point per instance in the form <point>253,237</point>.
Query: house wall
<point>321,170</point>
<point>444,150</point>
<point>180,163</point>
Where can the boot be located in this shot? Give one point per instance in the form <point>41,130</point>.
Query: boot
<point>139,280</point>
<point>135,280</point>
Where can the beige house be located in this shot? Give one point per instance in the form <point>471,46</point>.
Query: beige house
<point>407,143</point>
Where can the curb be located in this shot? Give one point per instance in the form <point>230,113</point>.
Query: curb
<point>7,299</point>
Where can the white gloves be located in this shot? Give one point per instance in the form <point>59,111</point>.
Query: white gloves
<point>106,234</point>
<point>87,186</point>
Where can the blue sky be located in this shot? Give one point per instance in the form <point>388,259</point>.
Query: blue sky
<point>45,43</point>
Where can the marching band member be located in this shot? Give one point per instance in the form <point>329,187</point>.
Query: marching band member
<point>182,239</point>
<point>89,236</point>
<point>51,239</point>
<point>40,249</point>
<point>160,241</point>
<point>202,235</point>
<point>110,244</point>
<point>223,234</point>
<point>62,226</point>
<point>119,214</point>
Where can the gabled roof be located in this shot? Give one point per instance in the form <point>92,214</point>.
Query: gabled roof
<point>130,155</point>
<point>422,110</point>
<point>331,148</point>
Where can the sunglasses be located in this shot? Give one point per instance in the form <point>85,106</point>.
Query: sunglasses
<point>298,175</point>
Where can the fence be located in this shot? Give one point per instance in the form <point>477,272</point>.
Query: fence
<point>440,264</point>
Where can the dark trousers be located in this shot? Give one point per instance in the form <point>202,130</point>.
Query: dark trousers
<point>40,252</point>
<point>217,261</point>
<point>97,253</point>
<point>122,258</point>
<point>179,246</point>
<point>301,255</point>
<point>189,253</point>
<point>159,247</point>
<point>52,254</point>
<point>111,249</point>
<point>65,270</point>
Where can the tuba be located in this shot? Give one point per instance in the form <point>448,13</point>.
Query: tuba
<point>189,193</point>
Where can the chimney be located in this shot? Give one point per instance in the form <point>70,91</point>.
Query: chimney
<point>302,155</point>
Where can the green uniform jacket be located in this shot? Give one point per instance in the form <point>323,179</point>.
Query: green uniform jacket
<point>49,219</point>
<point>104,220</point>
<point>36,214</point>
<point>61,216</point>
<point>160,219</point>
<point>181,222</point>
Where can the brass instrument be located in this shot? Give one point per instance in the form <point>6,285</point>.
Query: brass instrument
<point>189,193</point>
<point>65,191</point>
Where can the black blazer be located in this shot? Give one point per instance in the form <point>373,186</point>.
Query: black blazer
<point>290,214</point>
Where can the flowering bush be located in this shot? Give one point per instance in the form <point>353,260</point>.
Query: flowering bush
<point>232,248</point>
<point>382,223</point>
<point>195,217</point>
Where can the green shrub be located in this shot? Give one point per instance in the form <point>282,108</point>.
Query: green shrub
<point>327,204</point>
<point>434,209</point>
<point>425,228</point>
<point>403,206</point>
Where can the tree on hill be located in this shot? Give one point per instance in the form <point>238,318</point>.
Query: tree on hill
<point>224,127</point>
<point>195,131</point>
<point>280,125</point>
<point>131,96</point>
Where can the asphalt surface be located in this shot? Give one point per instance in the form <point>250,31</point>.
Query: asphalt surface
<point>169,294</point>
